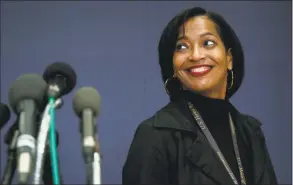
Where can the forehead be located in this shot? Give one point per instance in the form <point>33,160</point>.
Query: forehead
<point>197,26</point>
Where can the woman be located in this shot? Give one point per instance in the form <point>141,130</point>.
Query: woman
<point>199,137</point>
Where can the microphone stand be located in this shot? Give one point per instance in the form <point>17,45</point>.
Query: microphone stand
<point>41,142</point>
<point>94,168</point>
<point>11,161</point>
<point>90,173</point>
<point>97,168</point>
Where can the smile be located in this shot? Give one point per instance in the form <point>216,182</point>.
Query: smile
<point>198,71</point>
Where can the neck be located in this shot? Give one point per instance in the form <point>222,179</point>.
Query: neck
<point>212,111</point>
<point>215,108</point>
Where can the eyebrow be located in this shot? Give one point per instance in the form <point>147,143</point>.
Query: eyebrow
<point>202,35</point>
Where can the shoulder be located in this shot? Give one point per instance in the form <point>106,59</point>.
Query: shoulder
<point>156,127</point>
<point>252,121</point>
<point>256,125</point>
<point>149,138</point>
<point>246,119</point>
<point>166,119</point>
<point>252,124</point>
<point>160,117</point>
<point>147,154</point>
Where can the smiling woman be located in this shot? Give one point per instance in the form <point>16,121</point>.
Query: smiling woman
<point>200,59</point>
<point>199,137</point>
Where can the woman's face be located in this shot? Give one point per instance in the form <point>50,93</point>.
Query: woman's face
<point>200,59</point>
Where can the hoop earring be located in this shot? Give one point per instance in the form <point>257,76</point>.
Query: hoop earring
<point>232,79</point>
<point>166,83</point>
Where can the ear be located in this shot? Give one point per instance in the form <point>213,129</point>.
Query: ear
<point>229,59</point>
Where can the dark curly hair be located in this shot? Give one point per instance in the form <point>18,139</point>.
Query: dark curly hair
<point>228,36</point>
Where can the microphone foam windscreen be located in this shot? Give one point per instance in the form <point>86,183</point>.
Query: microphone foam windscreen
<point>4,114</point>
<point>28,86</point>
<point>86,98</point>
<point>63,69</point>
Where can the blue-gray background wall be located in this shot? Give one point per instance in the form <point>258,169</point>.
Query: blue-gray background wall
<point>113,47</point>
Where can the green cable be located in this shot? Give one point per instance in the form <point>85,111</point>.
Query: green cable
<point>53,147</point>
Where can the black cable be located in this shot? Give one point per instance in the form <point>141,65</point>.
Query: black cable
<point>11,161</point>
<point>9,170</point>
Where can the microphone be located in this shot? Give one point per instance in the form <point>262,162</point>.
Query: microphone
<point>10,138</point>
<point>86,104</point>
<point>61,79</point>
<point>11,142</point>
<point>25,97</point>
<point>4,114</point>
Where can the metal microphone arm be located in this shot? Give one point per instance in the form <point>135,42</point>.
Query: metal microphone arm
<point>94,167</point>
<point>97,166</point>
<point>90,149</point>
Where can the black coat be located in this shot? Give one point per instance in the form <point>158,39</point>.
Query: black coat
<point>169,149</point>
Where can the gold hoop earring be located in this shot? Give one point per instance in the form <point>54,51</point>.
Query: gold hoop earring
<point>232,79</point>
<point>166,83</point>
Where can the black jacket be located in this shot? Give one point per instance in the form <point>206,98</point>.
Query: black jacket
<point>169,149</point>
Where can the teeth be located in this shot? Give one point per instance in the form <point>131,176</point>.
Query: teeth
<point>200,69</point>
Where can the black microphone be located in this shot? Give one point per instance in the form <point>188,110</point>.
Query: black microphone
<point>10,138</point>
<point>25,97</point>
<point>61,79</point>
<point>4,114</point>
<point>86,104</point>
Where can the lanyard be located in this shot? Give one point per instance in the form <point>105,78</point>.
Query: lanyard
<point>215,147</point>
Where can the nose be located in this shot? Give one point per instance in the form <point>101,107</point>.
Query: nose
<point>196,54</point>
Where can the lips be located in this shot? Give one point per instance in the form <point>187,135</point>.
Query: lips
<point>200,70</point>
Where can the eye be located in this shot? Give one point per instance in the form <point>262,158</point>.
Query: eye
<point>181,47</point>
<point>209,43</point>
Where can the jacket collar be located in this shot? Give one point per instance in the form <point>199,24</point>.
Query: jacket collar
<point>201,154</point>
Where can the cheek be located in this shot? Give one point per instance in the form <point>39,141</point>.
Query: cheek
<point>178,61</point>
<point>220,59</point>
<point>220,71</point>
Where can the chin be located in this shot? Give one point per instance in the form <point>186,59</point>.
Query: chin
<point>201,88</point>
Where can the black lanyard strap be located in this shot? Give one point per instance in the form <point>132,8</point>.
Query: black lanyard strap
<point>215,147</point>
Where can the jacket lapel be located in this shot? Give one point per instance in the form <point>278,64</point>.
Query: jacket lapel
<point>203,156</point>
<point>199,153</point>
